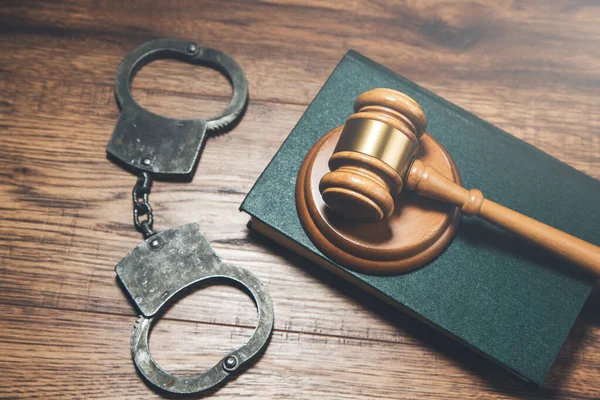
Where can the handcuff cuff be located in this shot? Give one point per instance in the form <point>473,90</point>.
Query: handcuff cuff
<point>167,263</point>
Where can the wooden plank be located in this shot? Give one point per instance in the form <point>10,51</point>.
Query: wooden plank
<point>289,48</point>
<point>85,226</point>
<point>530,68</point>
<point>41,348</point>
<point>74,225</point>
<point>87,113</point>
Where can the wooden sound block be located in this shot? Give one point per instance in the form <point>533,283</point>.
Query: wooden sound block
<point>418,230</point>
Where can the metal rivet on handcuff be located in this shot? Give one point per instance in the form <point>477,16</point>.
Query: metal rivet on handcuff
<point>169,262</point>
<point>153,275</point>
<point>144,141</point>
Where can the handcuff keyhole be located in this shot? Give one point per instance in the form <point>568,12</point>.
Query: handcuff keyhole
<point>201,328</point>
<point>176,89</point>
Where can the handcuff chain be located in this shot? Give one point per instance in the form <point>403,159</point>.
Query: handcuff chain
<point>141,206</point>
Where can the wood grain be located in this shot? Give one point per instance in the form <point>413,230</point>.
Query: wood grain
<point>412,236</point>
<point>372,155</point>
<point>427,181</point>
<point>532,68</point>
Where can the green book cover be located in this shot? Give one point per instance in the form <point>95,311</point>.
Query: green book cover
<point>498,294</point>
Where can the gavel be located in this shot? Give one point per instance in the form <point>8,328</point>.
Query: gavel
<point>375,160</point>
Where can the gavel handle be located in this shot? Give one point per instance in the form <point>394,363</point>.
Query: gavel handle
<point>427,181</point>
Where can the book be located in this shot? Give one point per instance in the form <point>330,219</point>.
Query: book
<point>499,295</point>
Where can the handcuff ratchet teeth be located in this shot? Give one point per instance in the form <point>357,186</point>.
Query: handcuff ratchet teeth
<point>145,141</point>
<point>168,263</point>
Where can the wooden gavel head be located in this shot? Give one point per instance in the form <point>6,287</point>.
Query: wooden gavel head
<point>376,147</point>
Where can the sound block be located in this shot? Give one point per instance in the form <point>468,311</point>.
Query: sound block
<point>418,230</point>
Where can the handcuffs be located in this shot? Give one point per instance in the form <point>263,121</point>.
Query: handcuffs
<point>169,262</point>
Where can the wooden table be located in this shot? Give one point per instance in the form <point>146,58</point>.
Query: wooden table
<point>532,68</point>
